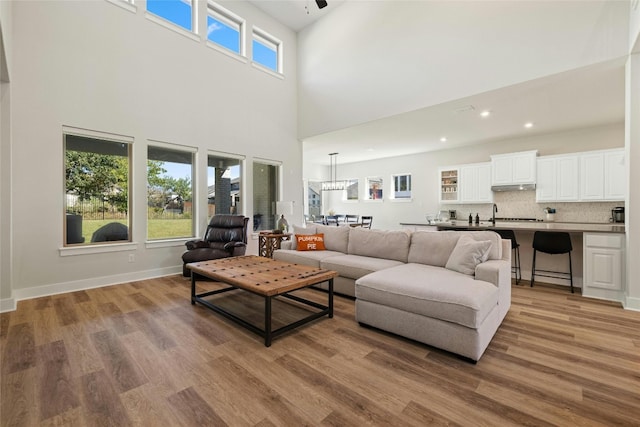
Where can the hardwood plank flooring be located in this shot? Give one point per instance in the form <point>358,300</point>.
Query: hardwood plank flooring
<point>139,354</point>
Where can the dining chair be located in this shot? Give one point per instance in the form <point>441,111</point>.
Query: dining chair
<point>366,221</point>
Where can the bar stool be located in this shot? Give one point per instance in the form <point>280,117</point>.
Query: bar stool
<point>515,247</point>
<point>554,243</point>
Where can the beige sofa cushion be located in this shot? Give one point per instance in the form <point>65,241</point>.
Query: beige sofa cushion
<point>310,258</point>
<point>335,238</point>
<point>435,248</point>
<point>430,291</point>
<point>385,244</point>
<point>356,266</point>
<point>309,229</point>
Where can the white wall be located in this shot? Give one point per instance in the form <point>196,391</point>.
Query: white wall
<point>424,172</point>
<point>634,27</point>
<point>632,212</point>
<point>415,54</point>
<point>5,153</point>
<point>97,66</point>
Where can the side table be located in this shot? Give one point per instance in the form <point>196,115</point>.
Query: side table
<point>269,242</point>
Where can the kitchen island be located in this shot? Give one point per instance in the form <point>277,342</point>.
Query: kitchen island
<point>597,256</point>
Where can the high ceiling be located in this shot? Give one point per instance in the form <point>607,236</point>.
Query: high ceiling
<point>579,98</point>
<point>295,14</point>
<point>576,99</point>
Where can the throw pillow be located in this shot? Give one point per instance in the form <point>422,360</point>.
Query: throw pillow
<point>310,242</point>
<point>467,254</point>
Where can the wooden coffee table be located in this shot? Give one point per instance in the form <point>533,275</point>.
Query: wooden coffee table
<point>266,278</point>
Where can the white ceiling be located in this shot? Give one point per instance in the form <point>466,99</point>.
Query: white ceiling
<point>295,14</point>
<point>575,99</point>
<point>581,98</point>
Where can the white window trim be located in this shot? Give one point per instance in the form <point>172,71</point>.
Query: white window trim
<point>344,193</point>
<point>193,35</point>
<point>97,248</point>
<point>366,189</point>
<point>178,241</point>
<point>392,189</point>
<point>125,4</point>
<point>267,39</point>
<point>231,19</point>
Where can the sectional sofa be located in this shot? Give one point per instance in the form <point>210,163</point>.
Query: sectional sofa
<point>448,289</point>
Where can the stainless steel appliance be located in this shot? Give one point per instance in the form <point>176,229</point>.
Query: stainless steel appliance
<point>617,214</point>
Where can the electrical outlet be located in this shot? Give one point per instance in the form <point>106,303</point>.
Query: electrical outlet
<point>132,257</point>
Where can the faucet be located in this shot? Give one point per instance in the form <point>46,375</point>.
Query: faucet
<point>494,209</point>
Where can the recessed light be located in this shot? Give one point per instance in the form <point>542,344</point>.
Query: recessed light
<point>528,125</point>
<point>485,113</point>
<point>443,139</point>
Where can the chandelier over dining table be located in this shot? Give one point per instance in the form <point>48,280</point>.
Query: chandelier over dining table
<point>333,183</point>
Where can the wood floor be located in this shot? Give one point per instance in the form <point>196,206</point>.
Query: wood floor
<point>141,354</point>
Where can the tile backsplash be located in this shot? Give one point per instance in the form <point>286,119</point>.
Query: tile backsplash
<point>522,204</point>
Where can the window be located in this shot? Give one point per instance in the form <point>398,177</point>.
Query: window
<point>374,188</point>
<point>351,192</point>
<point>267,50</point>
<point>223,185</point>
<point>169,192</point>
<point>265,194</point>
<point>314,199</point>
<point>401,186</point>
<point>97,178</point>
<point>179,12</point>
<point>225,29</point>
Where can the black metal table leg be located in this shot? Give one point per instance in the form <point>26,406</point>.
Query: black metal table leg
<point>193,288</point>
<point>330,304</point>
<point>267,321</point>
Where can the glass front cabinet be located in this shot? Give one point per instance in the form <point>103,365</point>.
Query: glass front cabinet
<point>449,189</point>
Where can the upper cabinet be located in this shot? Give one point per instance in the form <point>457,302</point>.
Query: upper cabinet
<point>475,183</point>
<point>448,179</point>
<point>577,177</point>
<point>603,175</point>
<point>557,179</point>
<point>514,168</point>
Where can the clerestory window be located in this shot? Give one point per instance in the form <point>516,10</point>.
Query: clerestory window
<point>224,28</point>
<point>267,50</point>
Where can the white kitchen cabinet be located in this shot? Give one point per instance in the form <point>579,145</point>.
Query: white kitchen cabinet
<point>448,181</point>
<point>615,175</point>
<point>514,168</point>
<point>475,183</point>
<point>557,179</point>
<point>603,260</point>
<point>603,175</point>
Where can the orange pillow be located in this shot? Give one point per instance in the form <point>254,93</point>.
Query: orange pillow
<point>310,242</point>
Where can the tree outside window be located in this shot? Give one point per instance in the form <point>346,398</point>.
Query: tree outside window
<point>96,189</point>
<point>169,193</point>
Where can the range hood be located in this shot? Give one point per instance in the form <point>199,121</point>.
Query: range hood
<point>513,187</point>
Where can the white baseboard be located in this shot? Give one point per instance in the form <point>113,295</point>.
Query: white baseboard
<point>8,304</point>
<point>79,285</point>
<point>631,303</point>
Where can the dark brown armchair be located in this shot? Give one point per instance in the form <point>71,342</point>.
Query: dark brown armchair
<point>226,236</point>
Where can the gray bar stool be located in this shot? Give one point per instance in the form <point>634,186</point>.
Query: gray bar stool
<point>554,243</point>
<point>515,247</point>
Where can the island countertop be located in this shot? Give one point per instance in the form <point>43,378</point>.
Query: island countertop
<point>571,227</point>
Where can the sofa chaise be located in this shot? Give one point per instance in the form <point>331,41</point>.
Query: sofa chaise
<point>447,289</point>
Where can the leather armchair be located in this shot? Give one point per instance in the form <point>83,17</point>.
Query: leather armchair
<point>226,236</point>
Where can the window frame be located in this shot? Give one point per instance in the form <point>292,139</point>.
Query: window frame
<point>97,247</point>
<point>219,13</point>
<point>193,33</point>
<point>278,191</point>
<point>393,190</point>
<point>345,194</point>
<point>368,181</point>
<point>267,40</point>
<point>241,163</point>
<point>161,241</point>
